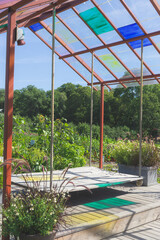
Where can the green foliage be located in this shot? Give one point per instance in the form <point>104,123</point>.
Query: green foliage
<point>127,152</point>
<point>121,106</point>
<point>2,97</point>
<point>1,177</point>
<point>32,142</point>
<point>67,147</point>
<point>33,211</point>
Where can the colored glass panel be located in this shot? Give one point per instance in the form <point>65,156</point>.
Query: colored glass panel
<point>36,27</point>
<point>111,62</point>
<point>3,26</point>
<point>96,21</point>
<point>131,31</point>
<point>109,203</point>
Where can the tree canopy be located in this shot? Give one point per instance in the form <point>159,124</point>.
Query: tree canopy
<point>73,103</point>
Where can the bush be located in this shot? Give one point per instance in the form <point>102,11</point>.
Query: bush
<point>127,152</point>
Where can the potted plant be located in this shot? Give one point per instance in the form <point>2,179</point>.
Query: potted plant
<point>35,214</point>
<point>126,153</point>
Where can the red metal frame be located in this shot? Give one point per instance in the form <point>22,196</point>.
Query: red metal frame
<point>48,14</point>
<point>157,76</point>
<point>156,5</point>
<point>8,117</point>
<point>112,44</point>
<point>101,126</point>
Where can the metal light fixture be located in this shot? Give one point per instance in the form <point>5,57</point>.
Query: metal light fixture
<point>20,37</point>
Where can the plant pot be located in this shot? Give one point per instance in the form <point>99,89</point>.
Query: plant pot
<point>50,236</point>
<point>149,174</point>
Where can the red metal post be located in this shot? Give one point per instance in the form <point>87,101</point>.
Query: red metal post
<point>101,127</point>
<point>9,104</point>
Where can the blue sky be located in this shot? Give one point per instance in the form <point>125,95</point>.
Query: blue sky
<point>33,65</point>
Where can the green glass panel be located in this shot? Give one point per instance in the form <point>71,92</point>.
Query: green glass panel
<point>96,21</point>
<point>3,26</point>
<point>111,62</point>
<point>109,203</point>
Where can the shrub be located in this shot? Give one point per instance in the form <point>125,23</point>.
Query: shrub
<point>127,152</point>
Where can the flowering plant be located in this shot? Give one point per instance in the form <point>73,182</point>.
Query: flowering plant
<point>33,211</point>
<point>127,153</point>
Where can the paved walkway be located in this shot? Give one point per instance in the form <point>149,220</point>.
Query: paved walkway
<point>150,231</point>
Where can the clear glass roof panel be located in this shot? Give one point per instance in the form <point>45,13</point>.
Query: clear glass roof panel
<point>156,39</point>
<point>45,35</point>
<point>84,6</point>
<point>102,71</point>
<point>115,12</point>
<point>152,58</point>
<point>98,67</point>
<point>68,37</point>
<point>87,57</point>
<point>132,84</point>
<point>145,13</point>
<point>110,37</point>
<point>149,82</point>
<point>60,49</point>
<point>80,68</point>
<point>129,59</point>
<point>80,28</point>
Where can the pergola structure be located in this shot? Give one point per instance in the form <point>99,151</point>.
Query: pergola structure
<point>116,43</point>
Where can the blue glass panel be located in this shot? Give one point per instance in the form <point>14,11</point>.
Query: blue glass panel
<point>36,27</point>
<point>131,31</point>
<point>137,44</point>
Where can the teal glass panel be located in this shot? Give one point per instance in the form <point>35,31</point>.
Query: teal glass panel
<point>96,21</point>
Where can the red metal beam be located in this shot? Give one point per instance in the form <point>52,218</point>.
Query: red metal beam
<point>8,113</point>
<point>71,51</point>
<point>42,10</point>
<point>80,40</point>
<point>48,14</point>
<point>59,56</point>
<point>156,5</point>
<point>112,44</point>
<point>101,127</point>
<point>130,79</point>
<point>7,4</point>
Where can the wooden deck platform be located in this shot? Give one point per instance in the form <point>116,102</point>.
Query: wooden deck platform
<point>111,211</point>
<point>91,177</point>
<point>150,231</point>
<point>115,206</point>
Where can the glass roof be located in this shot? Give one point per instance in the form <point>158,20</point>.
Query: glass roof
<point>112,29</point>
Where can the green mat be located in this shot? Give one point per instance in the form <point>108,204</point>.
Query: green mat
<point>110,184</point>
<point>109,203</point>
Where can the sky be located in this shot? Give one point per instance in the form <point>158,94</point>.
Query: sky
<point>33,65</point>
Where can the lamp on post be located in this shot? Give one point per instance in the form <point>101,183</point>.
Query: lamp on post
<point>20,37</point>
